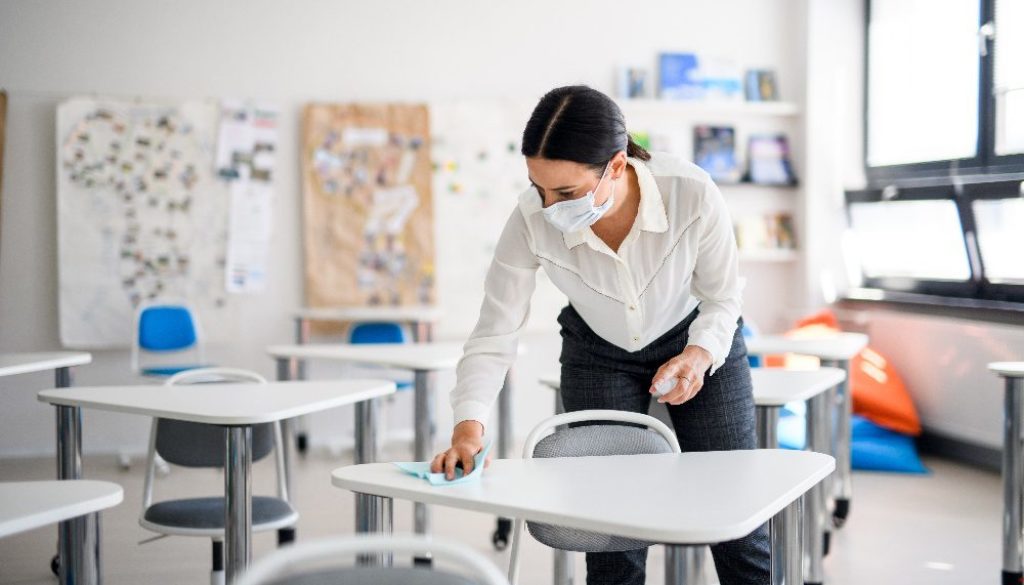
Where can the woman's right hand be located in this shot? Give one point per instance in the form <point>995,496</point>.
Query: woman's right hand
<point>467,441</point>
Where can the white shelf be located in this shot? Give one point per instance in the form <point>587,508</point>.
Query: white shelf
<point>769,255</point>
<point>704,108</point>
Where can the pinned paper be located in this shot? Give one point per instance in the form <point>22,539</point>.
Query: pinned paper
<point>422,469</point>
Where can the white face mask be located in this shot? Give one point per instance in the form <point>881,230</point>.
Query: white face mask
<point>576,214</point>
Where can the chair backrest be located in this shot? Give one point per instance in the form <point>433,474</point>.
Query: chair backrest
<point>305,563</point>
<point>192,444</point>
<point>377,333</point>
<point>632,434</point>
<point>166,328</point>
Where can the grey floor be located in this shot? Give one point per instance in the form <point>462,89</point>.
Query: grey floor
<point>936,529</point>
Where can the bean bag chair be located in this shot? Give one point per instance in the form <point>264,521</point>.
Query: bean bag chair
<point>872,447</point>
<point>878,391</point>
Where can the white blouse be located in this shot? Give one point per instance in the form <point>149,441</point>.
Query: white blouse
<point>680,253</point>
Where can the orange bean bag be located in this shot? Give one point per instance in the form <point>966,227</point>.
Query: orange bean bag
<point>879,394</point>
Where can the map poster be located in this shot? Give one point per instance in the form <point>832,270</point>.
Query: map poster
<point>140,213</point>
<point>366,176</point>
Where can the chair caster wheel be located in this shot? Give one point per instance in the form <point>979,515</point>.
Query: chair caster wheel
<point>841,513</point>
<point>500,537</point>
<point>302,443</point>
<point>55,565</point>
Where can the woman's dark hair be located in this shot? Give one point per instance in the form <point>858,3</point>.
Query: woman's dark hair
<point>579,124</point>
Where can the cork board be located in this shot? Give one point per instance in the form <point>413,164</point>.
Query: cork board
<point>367,204</point>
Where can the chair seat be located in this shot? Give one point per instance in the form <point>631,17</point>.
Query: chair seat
<point>403,385</point>
<point>376,576</point>
<point>168,371</point>
<point>208,513</point>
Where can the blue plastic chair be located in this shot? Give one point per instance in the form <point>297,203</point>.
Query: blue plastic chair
<point>166,328</point>
<point>381,333</point>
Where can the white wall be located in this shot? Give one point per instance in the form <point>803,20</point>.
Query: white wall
<point>293,52</point>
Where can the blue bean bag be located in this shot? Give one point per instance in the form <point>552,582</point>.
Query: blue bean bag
<point>872,448</point>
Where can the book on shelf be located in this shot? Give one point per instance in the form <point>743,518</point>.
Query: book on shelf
<point>714,150</point>
<point>769,161</point>
<point>773,231</point>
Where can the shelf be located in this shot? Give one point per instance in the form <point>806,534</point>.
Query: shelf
<point>757,187</point>
<point>769,255</point>
<point>704,108</point>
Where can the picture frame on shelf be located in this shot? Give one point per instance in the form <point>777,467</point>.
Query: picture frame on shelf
<point>633,83</point>
<point>761,86</point>
<point>714,150</point>
<point>768,160</point>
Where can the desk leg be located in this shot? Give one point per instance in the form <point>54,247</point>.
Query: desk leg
<point>818,440</point>
<point>843,480</point>
<point>786,531</point>
<point>424,424</point>
<point>564,567</point>
<point>298,372</point>
<point>78,539</point>
<point>768,427</point>
<point>63,378</point>
<point>366,431</point>
<point>505,444</point>
<point>684,565</point>
<point>1013,545</point>
<point>284,373</point>
<point>237,502</point>
<point>374,514</point>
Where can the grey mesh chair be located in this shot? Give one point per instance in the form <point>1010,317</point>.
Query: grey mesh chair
<point>653,436</point>
<point>316,563</point>
<point>190,444</point>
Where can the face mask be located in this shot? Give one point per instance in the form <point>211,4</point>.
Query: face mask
<point>576,214</point>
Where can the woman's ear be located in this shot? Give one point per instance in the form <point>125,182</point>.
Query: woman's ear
<point>618,165</point>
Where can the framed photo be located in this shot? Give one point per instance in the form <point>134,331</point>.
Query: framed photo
<point>714,150</point>
<point>761,86</point>
<point>769,160</point>
<point>633,83</point>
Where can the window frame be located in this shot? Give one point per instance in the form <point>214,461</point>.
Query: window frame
<point>985,163</point>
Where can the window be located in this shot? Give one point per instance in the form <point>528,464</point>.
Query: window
<point>944,89</point>
<point>922,77</point>
<point>943,215</point>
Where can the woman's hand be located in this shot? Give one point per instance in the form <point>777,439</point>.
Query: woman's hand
<point>467,441</point>
<point>688,369</point>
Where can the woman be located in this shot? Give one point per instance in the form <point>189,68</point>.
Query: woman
<point>642,246</point>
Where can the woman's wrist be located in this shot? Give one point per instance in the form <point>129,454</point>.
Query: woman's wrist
<point>469,429</point>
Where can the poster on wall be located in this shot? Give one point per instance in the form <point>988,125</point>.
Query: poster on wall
<point>368,206</point>
<point>141,215</point>
<point>246,154</point>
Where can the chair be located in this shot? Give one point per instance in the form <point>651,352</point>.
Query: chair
<point>190,444</point>
<point>163,328</point>
<point>653,436</point>
<point>304,564</point>
<point>381,333</point>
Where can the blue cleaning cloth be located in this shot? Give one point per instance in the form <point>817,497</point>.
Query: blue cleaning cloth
<point>422,469</point>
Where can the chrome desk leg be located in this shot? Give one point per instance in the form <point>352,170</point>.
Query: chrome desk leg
<point>238,502</point>
<point>787,545</point>
<point>684,565</point>
<point>78,539</point>
<point>842,488</point>
<point>815,499</point>
<point>424,442</point>
<point>1013,542</point>
<point>768,427</point>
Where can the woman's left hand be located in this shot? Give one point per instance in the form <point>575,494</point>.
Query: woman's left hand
<point>688,369</point>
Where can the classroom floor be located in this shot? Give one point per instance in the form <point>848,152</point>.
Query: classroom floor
<point>938,529</point>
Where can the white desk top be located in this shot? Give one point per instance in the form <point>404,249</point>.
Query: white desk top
<point>422,314</point>
<point>689,498</point>
<point>431,356</point>
<point>24,363</point>
<point>25,505</point>
<point>777,386</point>
<point>841,346</point>
<point>223,404</point>
<point>1008,369</point>
<point>772,386</point>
